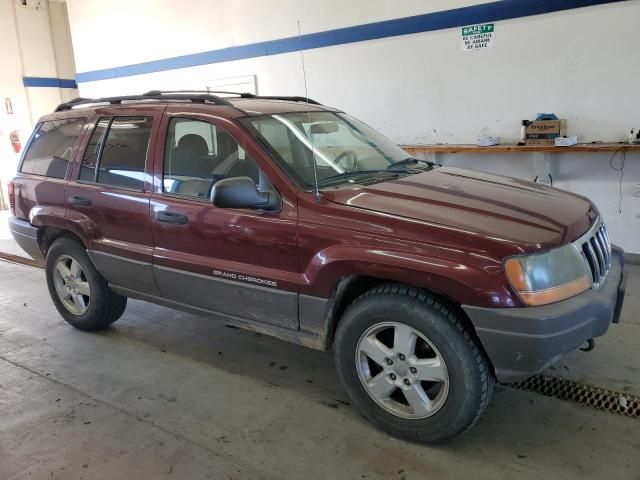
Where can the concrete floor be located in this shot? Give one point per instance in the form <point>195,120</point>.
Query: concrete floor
<point>7,244</point>
<point>168,395</point>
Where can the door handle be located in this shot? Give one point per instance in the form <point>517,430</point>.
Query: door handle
<point>79,201</point>
<point>170,217</point>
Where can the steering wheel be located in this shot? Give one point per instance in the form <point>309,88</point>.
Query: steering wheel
<point>347,155</point>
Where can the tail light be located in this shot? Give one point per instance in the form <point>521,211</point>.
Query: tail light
<point>12,198</point>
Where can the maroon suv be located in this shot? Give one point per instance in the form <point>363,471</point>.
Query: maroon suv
<point>286,217</point>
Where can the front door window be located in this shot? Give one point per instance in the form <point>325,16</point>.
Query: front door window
<point>198,154</point>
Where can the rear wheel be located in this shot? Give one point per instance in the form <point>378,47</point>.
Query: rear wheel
<point>410,366</point>
<point>78,291</point>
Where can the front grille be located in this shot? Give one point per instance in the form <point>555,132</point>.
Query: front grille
<point>596,250</point>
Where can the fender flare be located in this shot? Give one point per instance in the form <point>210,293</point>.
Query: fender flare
<point>450,278</point>
<point>52,216</point>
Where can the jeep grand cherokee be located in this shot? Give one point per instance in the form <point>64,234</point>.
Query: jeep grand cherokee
<point>286,217</point>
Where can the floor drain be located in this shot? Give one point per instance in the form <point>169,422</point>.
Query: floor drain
<point>587,395</point>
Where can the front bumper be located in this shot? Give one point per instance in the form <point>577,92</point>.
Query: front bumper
<point>524,341</point>
<point>26,235</point>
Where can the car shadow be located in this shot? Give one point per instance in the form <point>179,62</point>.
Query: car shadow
<point>514,421</point>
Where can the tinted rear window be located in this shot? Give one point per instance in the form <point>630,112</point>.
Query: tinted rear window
<point>50,149</point>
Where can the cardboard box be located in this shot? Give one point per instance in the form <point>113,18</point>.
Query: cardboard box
<point>544,132</point>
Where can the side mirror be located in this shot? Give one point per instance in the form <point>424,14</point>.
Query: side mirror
<point>241,192</point>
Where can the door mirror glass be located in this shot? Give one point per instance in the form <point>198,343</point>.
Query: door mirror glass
<point>241,192</point>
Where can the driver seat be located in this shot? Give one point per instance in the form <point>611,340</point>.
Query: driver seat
<point>190,157</point>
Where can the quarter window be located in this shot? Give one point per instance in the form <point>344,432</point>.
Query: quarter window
<point>50,149</point>
<point>198,154</point>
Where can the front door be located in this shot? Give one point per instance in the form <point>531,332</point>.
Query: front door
<point>236,262</point>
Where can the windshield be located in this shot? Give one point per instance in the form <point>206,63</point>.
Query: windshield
<point>340,145</point>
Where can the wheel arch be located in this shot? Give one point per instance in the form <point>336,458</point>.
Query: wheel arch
<point>48,234</point>
<point>52,222</point>
<point>350,288</point>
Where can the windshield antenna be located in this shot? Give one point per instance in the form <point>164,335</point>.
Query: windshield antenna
<point>306,95</point>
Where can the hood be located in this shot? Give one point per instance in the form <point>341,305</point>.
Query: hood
<point>504,208</point>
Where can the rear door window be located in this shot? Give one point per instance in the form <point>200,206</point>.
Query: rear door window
<point>50,149</point>
<point>90,157</point>
<point>117,152</point>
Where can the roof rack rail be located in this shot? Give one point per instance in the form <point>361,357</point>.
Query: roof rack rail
<point>238,94</point>
<point>151,95</point>
<point>182,92</point>
<point>288,99</point>
<point>196,96</point>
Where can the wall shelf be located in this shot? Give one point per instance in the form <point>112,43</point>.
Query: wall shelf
<point>512,148</point>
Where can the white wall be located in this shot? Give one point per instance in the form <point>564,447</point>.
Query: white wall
<point>10,87</point>
<point>61,37</point>
<point>61,40</point>
<point>34,42</point>
<point>581,64</point>
<point>45,46</point>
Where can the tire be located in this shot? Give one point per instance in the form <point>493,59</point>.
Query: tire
<point>460,381</point>
<point>95,311</point>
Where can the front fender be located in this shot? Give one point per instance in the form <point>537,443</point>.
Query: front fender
<point>463,283</point>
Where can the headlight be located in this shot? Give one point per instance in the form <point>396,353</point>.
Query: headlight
<point>549,277</point>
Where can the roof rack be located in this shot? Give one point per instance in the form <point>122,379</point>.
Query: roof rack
<point>151,95</point>
<point>288,99</point>
<point>238,94</point>
<point>196,96</point>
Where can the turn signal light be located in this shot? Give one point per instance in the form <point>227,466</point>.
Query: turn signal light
<point>515,274</point>
<point>556,294</point>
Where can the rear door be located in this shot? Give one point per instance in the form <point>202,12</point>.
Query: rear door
<point>238,262</point>
<point>109,196</point>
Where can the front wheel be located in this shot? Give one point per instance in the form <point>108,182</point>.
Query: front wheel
<point>81,295</point>
<point>410,366</point>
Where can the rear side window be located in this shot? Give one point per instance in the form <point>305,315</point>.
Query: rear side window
<point>117,151</point>
<point>50,149</point>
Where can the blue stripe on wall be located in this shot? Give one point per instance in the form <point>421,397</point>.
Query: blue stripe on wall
<point>486,12</point>
<point>49,82</point>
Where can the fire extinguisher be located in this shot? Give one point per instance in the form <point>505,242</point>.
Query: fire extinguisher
<point>14,136</point>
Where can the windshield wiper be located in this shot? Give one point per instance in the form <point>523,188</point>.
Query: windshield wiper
<point>352,173</point>
<point>405,162</point>
<point>402,166</point>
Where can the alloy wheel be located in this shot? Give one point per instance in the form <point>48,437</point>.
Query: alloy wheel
<point>401,370</point>
<point>72,285</point>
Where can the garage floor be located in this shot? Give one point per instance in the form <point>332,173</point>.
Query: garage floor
<point>168,395</point>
